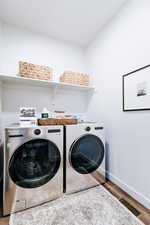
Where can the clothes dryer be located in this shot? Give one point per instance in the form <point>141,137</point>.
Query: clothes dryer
<point>85,156</point>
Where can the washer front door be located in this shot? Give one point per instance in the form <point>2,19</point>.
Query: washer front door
<point>34,163</point>
<point>86,154</point>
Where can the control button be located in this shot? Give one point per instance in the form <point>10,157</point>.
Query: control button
<point>37,132</point>
<point>16,135</point>
<point>54,131</point>
<point>88,128</point>
<point>99,128</point>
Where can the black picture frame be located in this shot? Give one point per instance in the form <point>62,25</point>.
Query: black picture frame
<point>123,90</point>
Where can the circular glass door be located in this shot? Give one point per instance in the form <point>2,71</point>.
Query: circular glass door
<point>34,163</point>
<point>86,154</point>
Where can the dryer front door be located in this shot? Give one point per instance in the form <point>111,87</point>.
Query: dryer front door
<point>85,158</point>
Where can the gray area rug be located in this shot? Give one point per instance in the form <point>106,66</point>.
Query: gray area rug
<point>95,206</point>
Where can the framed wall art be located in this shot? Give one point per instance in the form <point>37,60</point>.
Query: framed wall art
<point>136,90</point>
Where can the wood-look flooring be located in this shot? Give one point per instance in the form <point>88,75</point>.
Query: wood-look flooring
<point>135,207</point>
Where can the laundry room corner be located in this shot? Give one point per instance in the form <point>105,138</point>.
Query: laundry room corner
<point>74,112</point>
<point>22,44</point>
<point>123,46</point>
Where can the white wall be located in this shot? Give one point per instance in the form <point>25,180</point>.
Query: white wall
<point>1,51</point>
<point>20,44</point>
<point>122,46</point>
<point>1,55</point>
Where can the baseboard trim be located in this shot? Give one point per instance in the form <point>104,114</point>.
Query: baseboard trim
<point>131,191</point>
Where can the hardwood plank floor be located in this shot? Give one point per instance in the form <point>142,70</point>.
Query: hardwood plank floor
<point>134,206</point>
<point>4,220</point>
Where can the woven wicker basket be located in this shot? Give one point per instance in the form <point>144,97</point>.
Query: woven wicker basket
<point>47,122</point>
<point>75,78</point>
<point>33,71</point>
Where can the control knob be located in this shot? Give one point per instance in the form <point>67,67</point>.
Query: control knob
<point>37,132</point>
<point>88,128</point>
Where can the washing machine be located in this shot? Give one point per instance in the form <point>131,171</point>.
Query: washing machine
<point>85,156</point>
<point>33,166</point>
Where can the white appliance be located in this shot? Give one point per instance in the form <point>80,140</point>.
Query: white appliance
<point>85,156</point>
<point>33,166</point>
